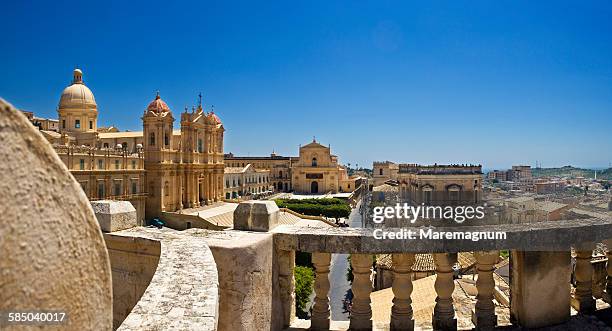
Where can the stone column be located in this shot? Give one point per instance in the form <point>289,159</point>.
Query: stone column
<point>401,312</point>
<point>320,309</point>
<point>444,311</point>
<point>361,312</point>
<point>197,189</point>
<point>286,264</point>
<point>194,189</point>
<point>608,289</point>
<point>483,316</point>
<point>583,300</point>
<point>539,293</point>
<point>179,181</point>
<point>208,190</point>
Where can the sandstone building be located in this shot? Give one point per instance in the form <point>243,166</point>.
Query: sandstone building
<point>246,182</point>
<point>158,169</point>
<point>314,171</point>
<point>436,184</point>
<point>384,171</point>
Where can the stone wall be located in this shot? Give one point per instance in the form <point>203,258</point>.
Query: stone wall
<point>133,262</point>
<point>53,253</point>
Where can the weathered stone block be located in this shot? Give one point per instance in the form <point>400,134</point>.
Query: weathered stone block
<point>540,288</point>
<point>256,216</point>
<point>114,215</point>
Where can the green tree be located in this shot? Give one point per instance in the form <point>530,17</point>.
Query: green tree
<point>304,280</point>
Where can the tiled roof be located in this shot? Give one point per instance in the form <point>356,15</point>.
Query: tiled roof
<point>425,262</point>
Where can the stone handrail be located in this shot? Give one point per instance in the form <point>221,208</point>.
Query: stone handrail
<point>542,236</point>
<point>180,294</point>
<point>541,269</point>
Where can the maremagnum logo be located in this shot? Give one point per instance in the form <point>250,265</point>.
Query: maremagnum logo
<point>459,214</point>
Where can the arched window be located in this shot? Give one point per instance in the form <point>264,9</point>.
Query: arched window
<point>314,161</point>
<point>152,139</point>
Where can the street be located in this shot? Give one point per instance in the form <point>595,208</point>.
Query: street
<point>337,275</point>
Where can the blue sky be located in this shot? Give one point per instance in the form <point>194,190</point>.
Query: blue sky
<point>491,82</point>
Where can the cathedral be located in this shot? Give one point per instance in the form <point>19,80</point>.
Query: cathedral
<point>157,169</point>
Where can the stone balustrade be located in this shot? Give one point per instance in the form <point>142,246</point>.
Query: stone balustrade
<point>539,283</point>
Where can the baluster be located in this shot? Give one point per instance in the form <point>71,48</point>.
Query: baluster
<point>608,290</point>
<point>361,312</point>
<point>286,264</point>
<point>583,296</point>
<point>401,312</point>
<point>444,311</point>
<point>320,310</point>
<point>484,315</point>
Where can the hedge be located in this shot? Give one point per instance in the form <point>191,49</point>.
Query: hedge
<point>332,208</point>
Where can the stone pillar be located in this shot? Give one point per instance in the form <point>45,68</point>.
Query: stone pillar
<point>401,312</point>
<point>539,292</point>
<point>444,311</point>
<point>197,187</point>
<point>214,187</point>
<point>483,316</point>
<point>286,283</point>
<point>208,190</point>
<point>361,312</point>
<point>608,288</point>
<point>179,180</point>
<point>583,300</point>
<point>320,309</point>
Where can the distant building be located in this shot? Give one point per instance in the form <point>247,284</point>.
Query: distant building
<point>440,184</point>
<point>498,175</point>
<point>548,187</point>
<point>245,181</point>
<point>314,171</point>
<point>521,174</point>
<point>384,171</point>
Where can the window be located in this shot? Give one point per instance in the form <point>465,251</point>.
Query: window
<point>101,190</point>
<point>105,145</point>
<point>314,161</point>
<point>100,164</point>
<point>82,164</point>
<point>63,124</point>
<point>117,188</point>
<point>77,124</point>
<point>116,164</point>
<point>90,125</point>
<point>200,146</point>
<point>166,189</point>
<point>133,164</point>
<point>280,174</point>
<point>134,187</point>
<point>381,171</point>
<point>152,139</point>
<point>166,139</point>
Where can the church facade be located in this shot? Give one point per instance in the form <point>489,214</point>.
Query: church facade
<point>315,171</point>
<point>158,169</point>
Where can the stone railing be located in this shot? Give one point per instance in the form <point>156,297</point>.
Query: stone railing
<point>540,293</point>
<point>179,295</point>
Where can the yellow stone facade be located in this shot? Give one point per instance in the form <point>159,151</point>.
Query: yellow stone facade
<point>315,171</point>
<point>168,171</point>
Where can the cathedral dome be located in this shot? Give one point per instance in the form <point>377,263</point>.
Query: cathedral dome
<point>158,105</point>
<point>77,95</point>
